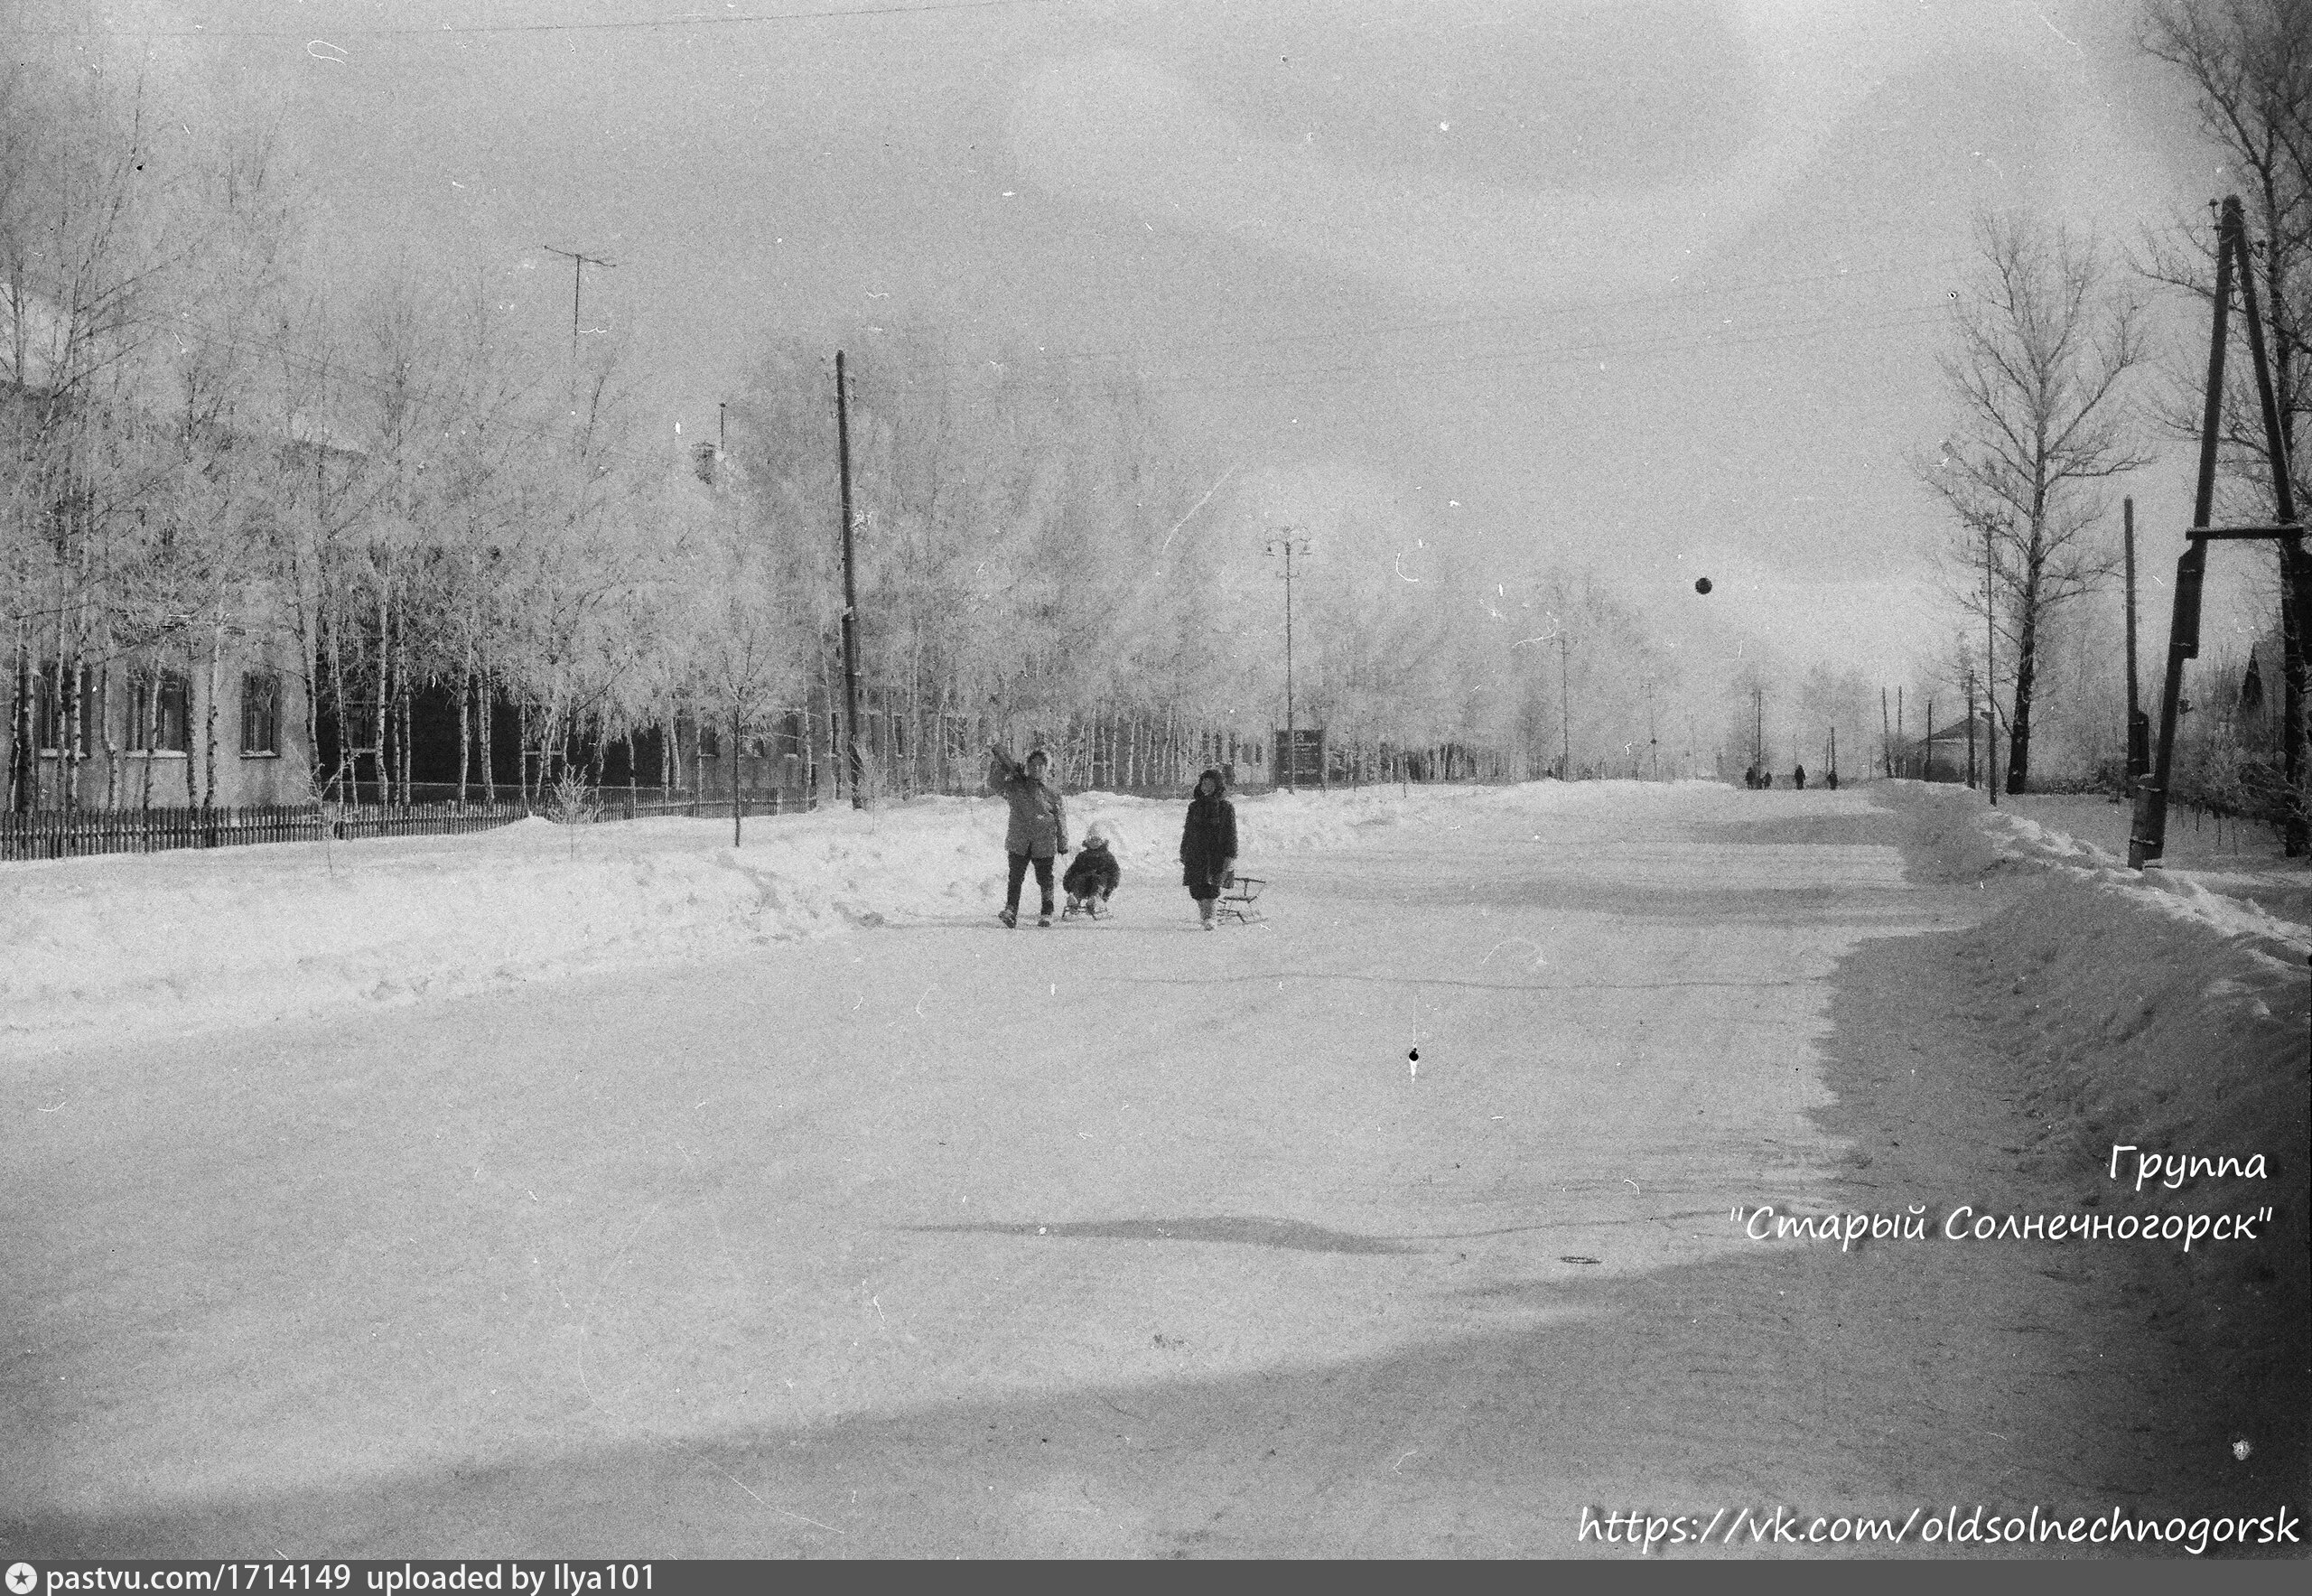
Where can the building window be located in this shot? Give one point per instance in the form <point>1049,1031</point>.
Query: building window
<point>710,741</point>
<point>160,710</point>
<point>49,709</point>
<point>260,713</point>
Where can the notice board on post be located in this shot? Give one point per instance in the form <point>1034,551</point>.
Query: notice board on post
<point>1301,757</point>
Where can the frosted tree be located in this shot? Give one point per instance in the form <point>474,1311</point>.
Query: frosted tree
<point>2043,343</point>
<point>2249,67</point>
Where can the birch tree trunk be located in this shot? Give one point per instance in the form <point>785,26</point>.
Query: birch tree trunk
<point>20,726</point>
<point>68,751</point>
<point>487,686</point>
<point>112,744</point>
<point>152,738</point>
<point>380,755</point>
<point>343,778</point>
<point>465,727</point>
<point>209,738</point>
<point>191,793</point>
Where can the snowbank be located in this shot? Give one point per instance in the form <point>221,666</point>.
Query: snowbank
<point>2137,1019</point>
<point>2267,902</point>
<point>190,940</point>
<point>2155,1012</point>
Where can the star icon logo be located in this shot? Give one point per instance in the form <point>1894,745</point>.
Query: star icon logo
<point>21,1577</point>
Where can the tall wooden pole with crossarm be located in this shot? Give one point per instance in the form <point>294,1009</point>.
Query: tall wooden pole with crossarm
<point>2148,838</point>
<point>579,262</point>
<point>855,764</point>
<point>1288,545</point>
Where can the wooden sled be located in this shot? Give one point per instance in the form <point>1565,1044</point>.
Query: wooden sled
<point>1236,899</point>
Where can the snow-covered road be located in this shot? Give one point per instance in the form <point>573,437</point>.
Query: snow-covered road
<point>935,1238</point>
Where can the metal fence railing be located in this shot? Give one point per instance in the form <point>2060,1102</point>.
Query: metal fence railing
<point>65,834</point>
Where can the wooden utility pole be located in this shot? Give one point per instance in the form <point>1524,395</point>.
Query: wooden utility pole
<point>1288,545</point>
<point>579,262</point>
<point>855,764</point>
<point>738,749</point>
<point>1886,737</point>
<point>1991,675</point>
<point>2139,724</point>
<point>1652,743</point>
<point>1970,731</point>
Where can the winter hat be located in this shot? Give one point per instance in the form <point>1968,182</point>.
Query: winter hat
<point>1096,836</point>
<point>1036,753</point>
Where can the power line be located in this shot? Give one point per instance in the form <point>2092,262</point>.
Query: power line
<point>1101,385</point>
<point>1786,331</point>
<point>630,25</point>
<point>1783,330</point>
<point>1456,323</point>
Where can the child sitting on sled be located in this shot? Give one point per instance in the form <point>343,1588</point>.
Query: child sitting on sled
<point>1091,875</point>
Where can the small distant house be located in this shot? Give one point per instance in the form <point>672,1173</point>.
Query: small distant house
<point>1943,754</point>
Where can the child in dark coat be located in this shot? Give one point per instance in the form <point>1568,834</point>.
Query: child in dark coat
<point>1093,875</point>
<point>1208,844</point>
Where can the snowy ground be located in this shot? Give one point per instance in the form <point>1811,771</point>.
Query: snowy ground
<point>619,1193</point>
<point>176,941</point>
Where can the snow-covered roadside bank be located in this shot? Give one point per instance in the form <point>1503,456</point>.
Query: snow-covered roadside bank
<point>2231,876</point>
<point>184,940</point>
<point>2153,1012</point>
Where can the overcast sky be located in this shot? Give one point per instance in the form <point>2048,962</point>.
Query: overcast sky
<point>1651,286</point>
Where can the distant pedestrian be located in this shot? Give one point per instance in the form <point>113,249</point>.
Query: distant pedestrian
<point>1766,779</point>
<point>1039,825</point>
<point>1750,779</point>
<point>1833,780</point>
<point>1209,844</point>
<point>1798,779</point>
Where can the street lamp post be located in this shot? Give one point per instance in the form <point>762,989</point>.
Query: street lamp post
<point>1289,546</point>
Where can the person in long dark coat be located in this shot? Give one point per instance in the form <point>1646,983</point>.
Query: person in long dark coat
<point>1037,830</point>
<point>1208,844</point>
<point>1798,779</point>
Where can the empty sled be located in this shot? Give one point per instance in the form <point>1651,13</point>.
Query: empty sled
<point>1238,896</point>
